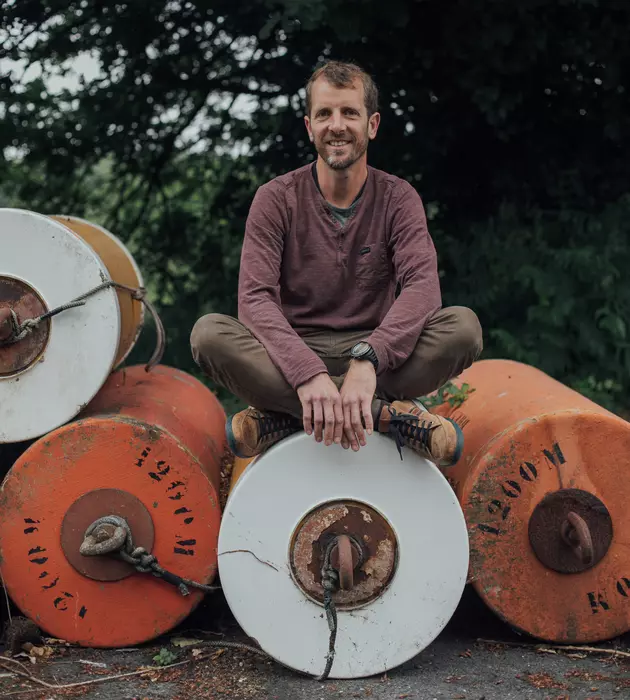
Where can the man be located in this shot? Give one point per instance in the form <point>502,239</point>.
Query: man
<point>323,341</point>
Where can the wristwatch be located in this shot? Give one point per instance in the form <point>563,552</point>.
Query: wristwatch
<point>364,351</point>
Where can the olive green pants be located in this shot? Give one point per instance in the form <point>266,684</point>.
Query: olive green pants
<point>234,359</point>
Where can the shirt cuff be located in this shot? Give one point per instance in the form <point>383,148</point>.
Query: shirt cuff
<point>381,355</point>
<point>306,372</point>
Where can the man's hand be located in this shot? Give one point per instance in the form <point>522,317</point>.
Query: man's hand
<point>321,407</point>
<point>357,393</point>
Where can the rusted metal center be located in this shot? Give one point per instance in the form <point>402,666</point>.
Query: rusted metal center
<point>570,531</point>
<point>25,302</point>
<point>366,559</point>
<point>88,508</point>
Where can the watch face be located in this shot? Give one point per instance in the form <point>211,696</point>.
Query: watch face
<point>360,349</point>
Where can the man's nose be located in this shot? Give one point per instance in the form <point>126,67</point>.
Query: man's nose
<point>337,122</point>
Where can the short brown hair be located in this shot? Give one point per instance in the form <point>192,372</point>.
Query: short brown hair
<point>342,75</point>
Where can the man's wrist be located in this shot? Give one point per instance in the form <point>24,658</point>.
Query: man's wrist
<point>362,364</point>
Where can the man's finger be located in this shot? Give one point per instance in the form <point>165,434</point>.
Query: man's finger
<point>307,416</point>
<point>338,411</point>
<point>357,426</point>
<point>347,428</point>
<point>367,416</point>
<point>329,421</point>
<point>318,419</point>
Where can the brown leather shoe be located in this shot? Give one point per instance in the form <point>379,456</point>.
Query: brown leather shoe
<point>252,431</point>
<point>439,439</point>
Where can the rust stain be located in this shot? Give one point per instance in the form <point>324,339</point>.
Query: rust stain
<point>372,537</point>
<point>26,303</point>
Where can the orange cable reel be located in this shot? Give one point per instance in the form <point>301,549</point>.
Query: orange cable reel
<point>146,454</point>
<point>546,510</point>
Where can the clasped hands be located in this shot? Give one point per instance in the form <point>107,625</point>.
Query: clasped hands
<point>339,416</point>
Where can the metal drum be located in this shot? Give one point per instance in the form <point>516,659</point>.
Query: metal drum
<point>50,374</point>
<point>122,268</point>
<point>392,531</point>
<point>542,489</point>
<point>146,452</point>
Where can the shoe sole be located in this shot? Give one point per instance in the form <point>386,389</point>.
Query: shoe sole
<point>231,439</point>
<point>459,445</point>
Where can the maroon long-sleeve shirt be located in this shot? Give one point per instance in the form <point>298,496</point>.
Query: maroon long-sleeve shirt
<point>301,269</point>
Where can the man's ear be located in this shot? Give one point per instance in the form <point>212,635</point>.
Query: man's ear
<point>307,123</point>
<point>373,124</point>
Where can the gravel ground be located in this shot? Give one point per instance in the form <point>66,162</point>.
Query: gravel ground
<point>456,666</point>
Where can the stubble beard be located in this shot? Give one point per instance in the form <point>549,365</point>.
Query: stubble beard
<point>335,163</point>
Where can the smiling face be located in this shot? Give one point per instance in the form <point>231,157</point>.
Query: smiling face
<point>339,125</point>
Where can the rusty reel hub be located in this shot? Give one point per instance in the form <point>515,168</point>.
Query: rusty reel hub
<point>86,510</point>
<point>364,552</point>
<point>570,531</point>
<point>20,301</point>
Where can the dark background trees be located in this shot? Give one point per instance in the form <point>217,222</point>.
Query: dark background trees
<point>511,120</point>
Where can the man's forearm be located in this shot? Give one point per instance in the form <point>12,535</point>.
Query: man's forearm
<point>289,353</point>
<point>396,337</point>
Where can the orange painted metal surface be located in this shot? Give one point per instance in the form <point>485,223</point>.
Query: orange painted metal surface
<point>122,268</point>
<point>240,465</point>
<point>543,488</point>
<point>148,449</point>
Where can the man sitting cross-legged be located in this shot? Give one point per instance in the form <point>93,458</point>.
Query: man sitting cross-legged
<point>340,321</point>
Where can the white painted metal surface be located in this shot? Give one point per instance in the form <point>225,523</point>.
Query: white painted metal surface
<point>83,341</point>
<point>270,499</point>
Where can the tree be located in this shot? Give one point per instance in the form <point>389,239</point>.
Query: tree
<point>511,121</point>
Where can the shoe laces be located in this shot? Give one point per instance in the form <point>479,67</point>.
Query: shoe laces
<point>405,427</point>
<point>270,424</point>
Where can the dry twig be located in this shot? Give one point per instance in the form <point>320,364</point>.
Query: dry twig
<point>553,648</point>
<point>94,681</point>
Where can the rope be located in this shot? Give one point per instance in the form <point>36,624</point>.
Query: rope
<point>330,583</point>
<point>98,541</point>
<point>21,330</point>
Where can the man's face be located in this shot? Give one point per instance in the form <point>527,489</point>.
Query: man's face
<point>338,124</point>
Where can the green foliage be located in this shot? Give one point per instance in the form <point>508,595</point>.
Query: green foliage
<point>449,393</point>
<point>510,119</point>
<point>165,657</point>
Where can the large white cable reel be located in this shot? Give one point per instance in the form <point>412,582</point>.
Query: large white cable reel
<point>398,540</point>
<point>46,378</point>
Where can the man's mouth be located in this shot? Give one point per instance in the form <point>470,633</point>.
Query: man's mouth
<point>338,144</point>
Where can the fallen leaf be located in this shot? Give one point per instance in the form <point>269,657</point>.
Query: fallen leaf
<point>37,652</point>
<point>183,642</point>
<point>53,641</point>
<point>543,680</point>
<point>576,656</point>
<point>196,653</point>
